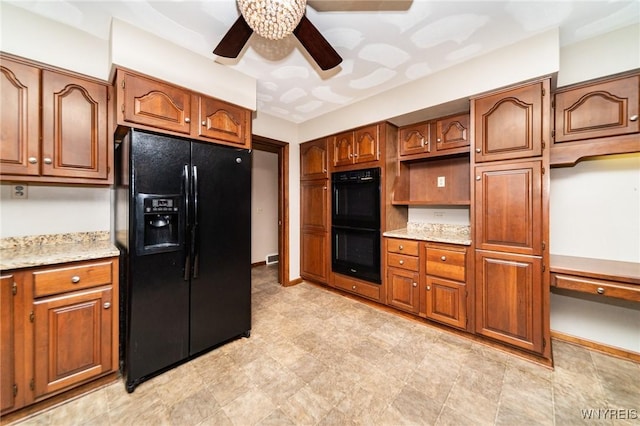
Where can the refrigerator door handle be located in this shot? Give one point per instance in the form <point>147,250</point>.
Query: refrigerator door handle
<point>194,228</point>
<point>187,251</point>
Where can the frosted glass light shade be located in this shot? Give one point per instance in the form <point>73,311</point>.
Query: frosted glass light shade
<point>272,19</point>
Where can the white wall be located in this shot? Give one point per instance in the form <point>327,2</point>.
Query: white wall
<point>54,210</point>
<point>264,205</point>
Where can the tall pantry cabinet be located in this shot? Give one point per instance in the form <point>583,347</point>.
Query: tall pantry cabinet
<point>314,211</point>
<point>510,182</point>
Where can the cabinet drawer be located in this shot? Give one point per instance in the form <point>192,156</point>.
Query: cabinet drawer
<point>446,263</point>
<point>372,291</point>
<point>409,247</point>
<point>401,261</point>
<point>603,288</point>
<point>60,280</point>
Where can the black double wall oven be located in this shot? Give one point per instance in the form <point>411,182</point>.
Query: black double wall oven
<point>355,224</point>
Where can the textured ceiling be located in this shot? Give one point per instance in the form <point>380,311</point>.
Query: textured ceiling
<point>381,48</point>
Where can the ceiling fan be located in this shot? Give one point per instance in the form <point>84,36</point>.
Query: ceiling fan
<point>276,19</point>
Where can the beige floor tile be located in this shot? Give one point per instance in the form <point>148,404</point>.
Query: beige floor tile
<point>249,408</point>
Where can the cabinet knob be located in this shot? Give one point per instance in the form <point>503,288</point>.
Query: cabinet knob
<point>324,187</point>
<point>324,170</point>
<point>443,258</point>
<point>600,290</point>
<point>355,155</point>
<point>204,123</point>
<point>75,279</point>
<point>415,284</point>
<point>428,287</point>
<point>33,160</point>
<point>47,160</point>
<point>401,247</point>
<point>187,120</point>
<point>106,305</point>
<point>633,118</point>
<point>350,155</point>
<point>401,262</point>
<point>478,150</point>
<point>478,178</point>
<point>439,140</point>
<point>353,287</point>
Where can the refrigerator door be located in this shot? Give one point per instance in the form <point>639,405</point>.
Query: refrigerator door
<point>221,280</point>
<point>157,312</point>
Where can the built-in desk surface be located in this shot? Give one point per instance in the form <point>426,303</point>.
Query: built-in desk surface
<point>596,276</point>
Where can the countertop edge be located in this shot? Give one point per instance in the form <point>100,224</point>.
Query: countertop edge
<point>428,236</point>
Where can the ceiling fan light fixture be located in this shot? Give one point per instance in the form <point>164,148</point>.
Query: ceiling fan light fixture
<point>272,19</point>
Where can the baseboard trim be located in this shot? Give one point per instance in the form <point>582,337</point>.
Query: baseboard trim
<point>294,282</point>
<point>596,346</point>
<point>262,263</point>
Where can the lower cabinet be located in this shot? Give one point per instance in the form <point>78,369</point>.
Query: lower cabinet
<point>59,329</point>
<point>445,301</point>
<point>403,290</point>
<point>444,298</point>
<point>314,256</point>
<point>361,288</point>
<point>509,299</point>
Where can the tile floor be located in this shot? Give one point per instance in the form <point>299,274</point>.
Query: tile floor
<point>315,357</point>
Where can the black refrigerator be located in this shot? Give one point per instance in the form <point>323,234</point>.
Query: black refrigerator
<point>183,224</point>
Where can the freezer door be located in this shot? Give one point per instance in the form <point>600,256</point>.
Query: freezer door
<point>221,281</point>
<point>157,305</point>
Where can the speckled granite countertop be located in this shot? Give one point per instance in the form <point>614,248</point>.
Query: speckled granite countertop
<point>41,250</point>
<point>435,232</point>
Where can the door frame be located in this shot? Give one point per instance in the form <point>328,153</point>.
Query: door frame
<point>280,148</point>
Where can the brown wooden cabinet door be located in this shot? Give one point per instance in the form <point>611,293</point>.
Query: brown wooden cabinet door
<point>508,211</point>
<point>20,119</point>
<point>343,149</point>
<point>153,103</point>
<point>314,256</point>
<point>509,124</point>
<point>366,145</point>
<point>73,338</point>
<point>608,108</point>
<point>452,133</point>
<point>222,121</point>
<point>414,139</point>
<point>509,299</point>
<point>314,205</point>
<point>445,301</point>
<point>74,127</point>
<point>12,386</point>
<point>403,289</point>
<point>313,160</point>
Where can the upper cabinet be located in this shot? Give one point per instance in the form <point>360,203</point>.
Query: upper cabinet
<point>356,147</point>
<point>508,124</point>
<point>313,160</point>
<point>444,136</point>
<point>69,113</point>
<point>596,118</point>
<point>151,104</point>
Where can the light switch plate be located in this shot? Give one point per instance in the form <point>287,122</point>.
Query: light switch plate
<point>441,181</point>
<point>19,191</point>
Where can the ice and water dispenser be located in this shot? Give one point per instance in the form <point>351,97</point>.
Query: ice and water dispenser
<point>159,219</point>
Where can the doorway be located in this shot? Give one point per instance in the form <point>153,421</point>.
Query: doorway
<point>261,143</point>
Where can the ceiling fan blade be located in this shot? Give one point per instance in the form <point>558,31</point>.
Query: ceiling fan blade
<point>317,46</point>
<point>234,40</point>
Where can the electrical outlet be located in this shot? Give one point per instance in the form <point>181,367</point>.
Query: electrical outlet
<point>441,182</point>
<point>19,191</point>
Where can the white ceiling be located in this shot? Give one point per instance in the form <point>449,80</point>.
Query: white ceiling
<point>380,49</point>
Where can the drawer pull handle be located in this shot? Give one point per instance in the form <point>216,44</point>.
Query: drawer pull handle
<point>107,305</point>
<point>443,258</point>
<point>33,160</point>
<point>187,120</point>
<point>75,279</point>
<point>633,118</point>
<point>48,160</point>
<point>402,262</point>
<point>401,247</point>
<point>600,290</point>
<point>415,284</point>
